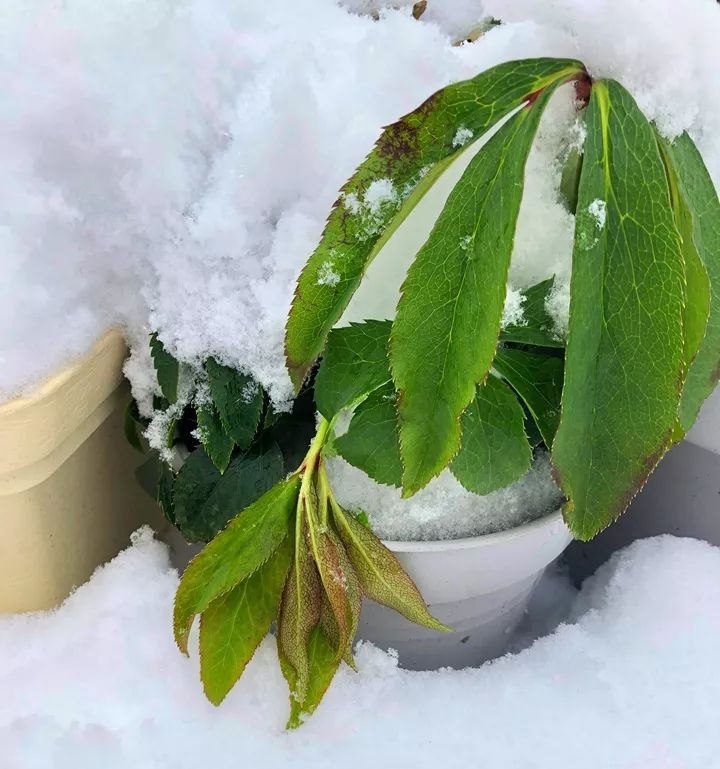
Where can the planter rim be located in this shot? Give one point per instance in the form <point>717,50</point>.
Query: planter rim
<point>41,429</point>
<point>464,543</point>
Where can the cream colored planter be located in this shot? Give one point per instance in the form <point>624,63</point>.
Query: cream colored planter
<point>68,496</point>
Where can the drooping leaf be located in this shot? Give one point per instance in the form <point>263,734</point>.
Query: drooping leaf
<point>538,327</point>
<point>538,380</point>
<point>206,501</point>
<point>235,623</point>
<point>371,442</point>
<point>407,159</point>
<point>217,443</point>
<point>624,360</point>
<point>354,364</point>
<point>701,198</point>
<point>323,663</point>
<point>446,330</point>
<point>381,576</point>
<point>494,451</point>
<point>326,549</point>
<point>239,401</point>
<point>353,594</point>
<point>236,553</point>
<point>166,368</point>
<point>299,614</point>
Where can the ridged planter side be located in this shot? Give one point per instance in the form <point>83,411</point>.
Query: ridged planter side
<point>68,496</point>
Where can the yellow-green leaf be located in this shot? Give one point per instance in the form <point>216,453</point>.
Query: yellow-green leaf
<point>299,613</point>
<point>381,576</point>
<point>235,623</point>
<point>237,552</point>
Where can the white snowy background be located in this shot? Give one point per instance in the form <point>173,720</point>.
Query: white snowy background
<point>630,682</point>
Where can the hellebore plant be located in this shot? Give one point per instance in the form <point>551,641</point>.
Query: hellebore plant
<point>442,385</point>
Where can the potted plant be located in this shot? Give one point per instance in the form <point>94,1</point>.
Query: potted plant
<point>445,384</point>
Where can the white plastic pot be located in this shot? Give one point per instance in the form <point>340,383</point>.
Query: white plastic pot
<point>479,586</point>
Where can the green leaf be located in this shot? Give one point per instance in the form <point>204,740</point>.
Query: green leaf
<point>538,380</point>
<point>205,501</point>
<point>381,576</point>
<point>166,368</point>
<point>323,663</point>
<point>239,401</point>
<point>131,422</point>
<point>299,614</point>
<point>234,624</point>
<point>624,361</point>
<point>701,199</point>
<point>354,364</point>
<point>236,553</point>
<point>537,330</point>
<point>495,449</point>
<point>448,318</point>
<point>165,491</point>
<point>371,442</point>
<point>216,442</point>
<point>408,158</point>
<point>696,300</point>
<point>193,485</point>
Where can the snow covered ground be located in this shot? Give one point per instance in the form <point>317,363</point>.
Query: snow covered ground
<point>632,682</point>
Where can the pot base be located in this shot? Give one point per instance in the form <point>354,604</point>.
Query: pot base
<point>479,586</point>
<point>482,629</point>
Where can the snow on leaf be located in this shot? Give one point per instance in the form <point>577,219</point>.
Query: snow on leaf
<point>409,155</point>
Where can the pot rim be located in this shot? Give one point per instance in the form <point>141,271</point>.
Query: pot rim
<point>464,543</point>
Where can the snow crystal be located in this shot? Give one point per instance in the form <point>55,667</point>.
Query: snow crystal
<point>327,275</point>
<point>557,305</point>
<point>444,509</point>
<point>513,314</point>
<point>462,137</point>
<point>170,166</point>
<point>99,682</point>
<point>598,210</point>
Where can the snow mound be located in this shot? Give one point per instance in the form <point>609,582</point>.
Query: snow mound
<point>633,682</point>
<point>444,509</point>
<point>169,166</point>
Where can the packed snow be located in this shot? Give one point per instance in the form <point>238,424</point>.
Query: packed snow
<point>168,166</point>
<point>444,509</point>
<point>630,681</point>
